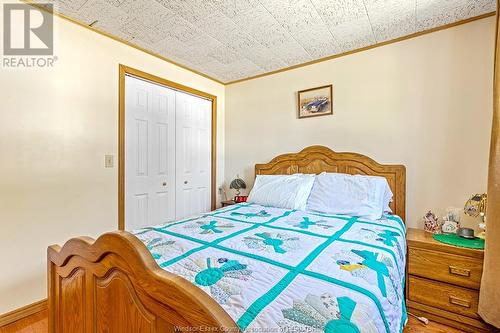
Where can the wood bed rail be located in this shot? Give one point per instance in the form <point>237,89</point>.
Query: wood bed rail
<point>113,284</point>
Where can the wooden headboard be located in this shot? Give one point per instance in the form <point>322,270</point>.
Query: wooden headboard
<point>317,159</point>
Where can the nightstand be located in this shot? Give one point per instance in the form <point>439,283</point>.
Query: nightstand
<point>443,282</point>
<point>226,203</point>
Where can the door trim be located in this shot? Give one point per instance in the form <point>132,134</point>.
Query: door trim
<point>124,70</point>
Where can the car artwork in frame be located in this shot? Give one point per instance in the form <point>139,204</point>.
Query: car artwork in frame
<point>315,102</point>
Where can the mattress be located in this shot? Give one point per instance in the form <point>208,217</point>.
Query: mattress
<point>275,269</point>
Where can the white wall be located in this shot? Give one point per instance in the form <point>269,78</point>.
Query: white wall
<point>425,103</point>
<point>56,126</point>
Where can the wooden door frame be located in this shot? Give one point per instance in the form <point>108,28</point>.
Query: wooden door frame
<point>123,71</point>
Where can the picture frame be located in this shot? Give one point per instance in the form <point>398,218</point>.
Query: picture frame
<point>315,102</point>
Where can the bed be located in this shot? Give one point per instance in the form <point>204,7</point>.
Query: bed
<point>242,268</point>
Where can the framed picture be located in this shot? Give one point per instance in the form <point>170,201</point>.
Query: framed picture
<point>315,102</point>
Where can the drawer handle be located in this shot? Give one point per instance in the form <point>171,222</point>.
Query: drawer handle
<point>459,271</point>
<point>459,301</point>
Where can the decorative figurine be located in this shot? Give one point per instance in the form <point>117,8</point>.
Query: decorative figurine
<point>451,221</point>
<point>431,223</point>
<point>450,227</point>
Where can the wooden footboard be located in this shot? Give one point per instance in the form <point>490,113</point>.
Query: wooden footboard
<point>114,285</point>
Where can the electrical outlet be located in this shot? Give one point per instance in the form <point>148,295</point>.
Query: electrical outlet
<point>108,161</point>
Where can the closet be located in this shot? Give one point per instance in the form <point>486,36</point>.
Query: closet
<point>167,154</point>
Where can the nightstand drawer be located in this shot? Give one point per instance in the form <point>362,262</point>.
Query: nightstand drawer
<point>451,268</point>
<point>444,296</point>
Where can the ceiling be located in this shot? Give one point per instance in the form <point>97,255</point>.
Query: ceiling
<point>235,39</point>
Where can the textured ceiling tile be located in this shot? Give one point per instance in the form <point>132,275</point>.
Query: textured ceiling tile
<point>223,29</point>
<point>149,13</point>
<point>433,13</point>
<point>217,26</point>
<point>173,49</point>
<point>242,69</point>
<point>143,43</point>
<point>302,21</point>
<point>224,55</point>
<point>348,22</point>
<point>230,72</point>
<point>58,7</point>
<point>102,11</point>
<point>169,44</point>
<point>234,39</point>
<point>233,8</point>
<point>340,11</point>
<point>140,32</point>
<point>213,52</point>
<point>207,47</point>
<point>391,18</point>
<point>190,10</point>
<point>201,9</point>
<point>399,26</point>
<point>123,35</point>
<point>244,64</point>
<point>177,27</point>
<point>262,26</point>
<point>254,51</point>
<point>188,56</point>
<point>295,15</point>
<point>290,52</point>
<point>226,32</point>
<point>64,6</point>
<point>318,43</point>
<point>353,34</point>
<point>258,21</point>
<point>181,61</point>
<point>116,3</point>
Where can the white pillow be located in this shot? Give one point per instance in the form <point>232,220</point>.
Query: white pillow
<point>354,195</point>
<point>387,197</point>
<point>282,191</point>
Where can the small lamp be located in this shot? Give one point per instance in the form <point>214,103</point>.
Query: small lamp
<point>476,206</point>
<point>237,184</point>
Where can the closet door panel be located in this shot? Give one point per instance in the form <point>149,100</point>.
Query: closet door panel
<point>205,144</point>
<point>138,105</point>
<point>149,154</point>
<point>163,156</point>
<point>193,125</point>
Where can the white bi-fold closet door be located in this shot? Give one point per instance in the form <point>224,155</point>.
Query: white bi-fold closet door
<point>167,154</point>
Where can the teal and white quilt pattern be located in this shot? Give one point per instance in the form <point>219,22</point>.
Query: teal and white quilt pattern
<point>273,269</point>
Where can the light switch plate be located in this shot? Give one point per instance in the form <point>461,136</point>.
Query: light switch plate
<point>108,161</point>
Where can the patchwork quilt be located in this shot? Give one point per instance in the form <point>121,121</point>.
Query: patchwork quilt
<point>279,270</point>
